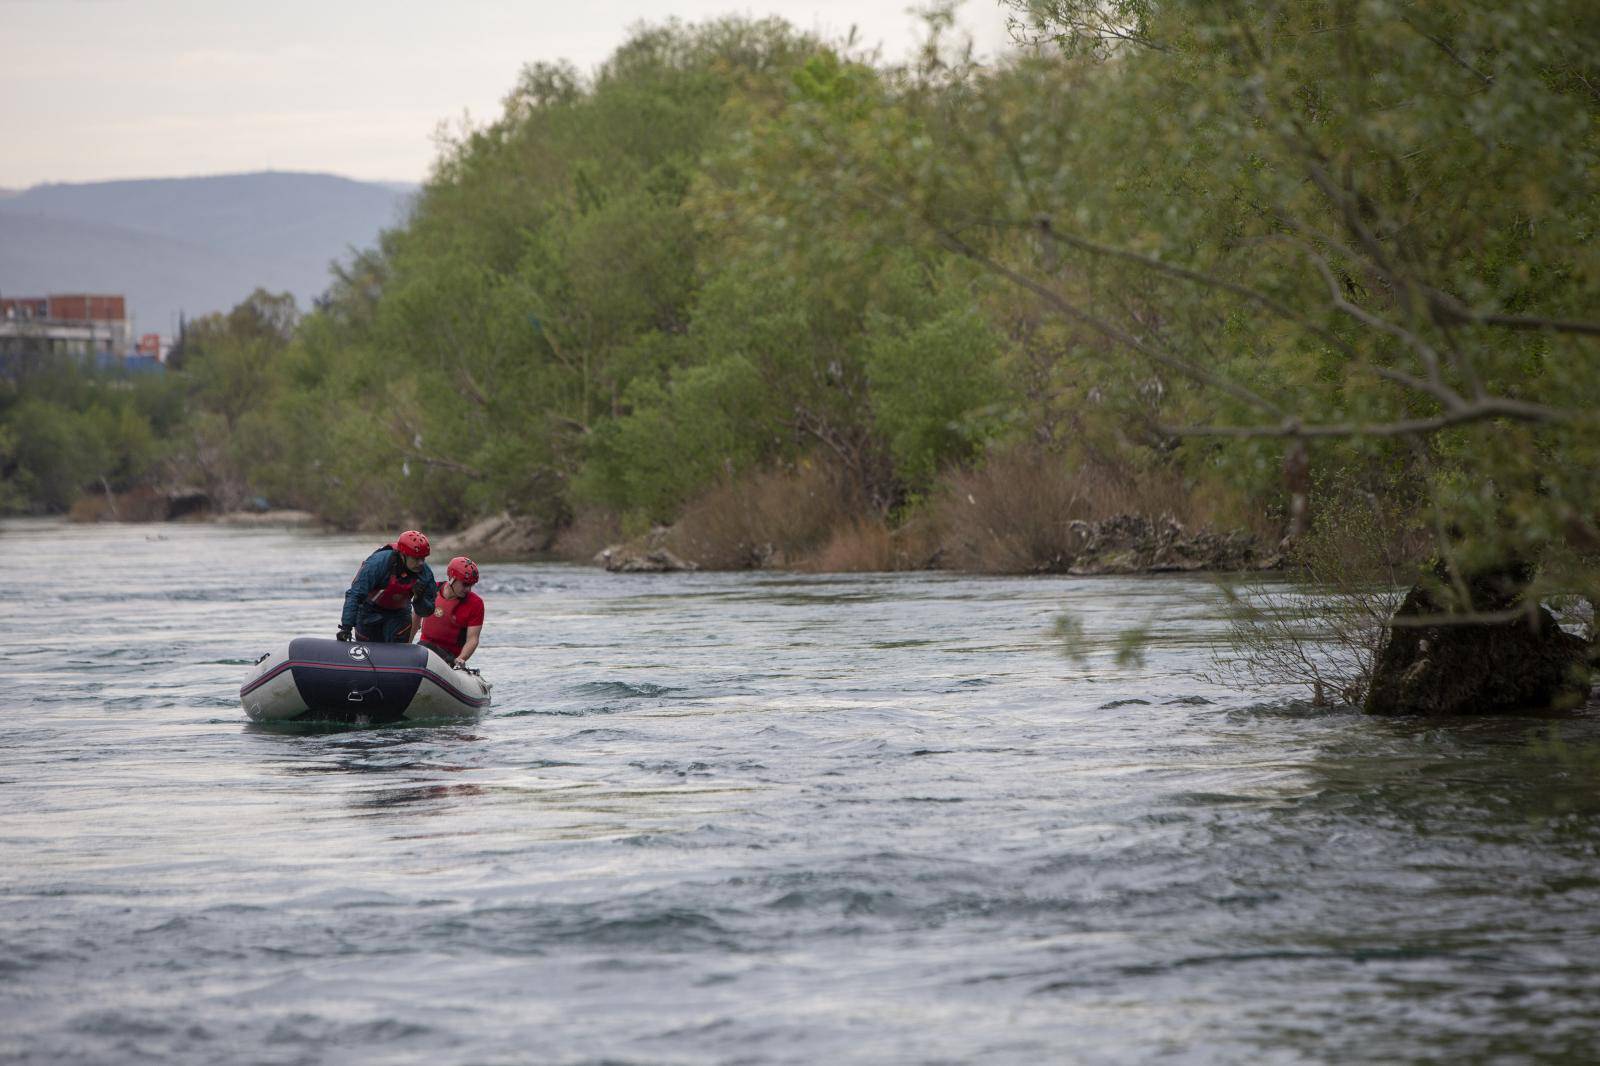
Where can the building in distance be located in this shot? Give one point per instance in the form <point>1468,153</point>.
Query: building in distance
<point>91,327</point>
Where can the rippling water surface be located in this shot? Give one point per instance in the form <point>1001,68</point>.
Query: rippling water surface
<point>753,818</point>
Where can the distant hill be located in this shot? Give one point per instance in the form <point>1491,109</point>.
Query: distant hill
<point>190,244</point>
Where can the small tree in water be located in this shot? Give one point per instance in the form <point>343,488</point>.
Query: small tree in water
<point>1324,629</point>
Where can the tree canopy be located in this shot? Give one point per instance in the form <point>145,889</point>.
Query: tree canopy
<point>1234,251</point>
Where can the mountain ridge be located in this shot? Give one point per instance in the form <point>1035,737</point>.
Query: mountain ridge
<point>191,245</point>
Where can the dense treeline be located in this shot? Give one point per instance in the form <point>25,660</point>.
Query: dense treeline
<point>1173,256</point>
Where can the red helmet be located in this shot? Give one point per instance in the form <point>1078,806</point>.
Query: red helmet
<point>412,543</point>
<point>463,569</point>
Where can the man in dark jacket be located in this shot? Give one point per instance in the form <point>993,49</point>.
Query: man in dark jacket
<point>391,584</point>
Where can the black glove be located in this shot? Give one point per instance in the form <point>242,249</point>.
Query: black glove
<point>343,634</point>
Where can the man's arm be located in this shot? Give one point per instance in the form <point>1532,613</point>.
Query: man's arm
<point>471,644</point>
<point>360,589</point>
<point>422,599</point>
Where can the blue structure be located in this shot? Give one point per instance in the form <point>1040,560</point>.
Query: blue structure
<point>132,363</point>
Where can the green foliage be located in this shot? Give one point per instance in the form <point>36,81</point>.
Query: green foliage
<point>65,430</point>
<point>734,248</point>
<point>542,288</point>
<point>936,390</point>
<point>47,461</point>
<point>677,439</point>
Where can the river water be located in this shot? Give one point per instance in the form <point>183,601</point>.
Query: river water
<point>755,818</point>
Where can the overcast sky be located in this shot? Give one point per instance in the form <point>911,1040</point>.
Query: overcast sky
<point>99,89</point>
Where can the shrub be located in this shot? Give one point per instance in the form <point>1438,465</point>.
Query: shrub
<point>677,439</point>
<point>591,529</point>
<point>1324,632</point>
<point>936,390</point>
<point>858,546</point>
<point>771,517</point>
<point>142,504</point>
<point>1014,513</point>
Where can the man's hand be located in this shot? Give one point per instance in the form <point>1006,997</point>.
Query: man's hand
<point>343,634</point>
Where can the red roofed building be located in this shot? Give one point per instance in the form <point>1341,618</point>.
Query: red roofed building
<point>90,325</point>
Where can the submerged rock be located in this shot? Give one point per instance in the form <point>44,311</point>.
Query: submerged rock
<point>1525,664</point>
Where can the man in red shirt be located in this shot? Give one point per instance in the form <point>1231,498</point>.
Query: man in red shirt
<point>452,630</point>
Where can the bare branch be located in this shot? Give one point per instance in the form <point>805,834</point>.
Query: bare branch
<point>1464,364</point>
<point>1121,336</point>
<point>1043,225</point>
<point>1102,31</point>
<point>1515,410</point>
<point>1487,79</point>
<point>444,464</point>
<point>1554,325</point>
<point>1430,358</point>
<point>1441,305</point>
<point>1522,612</point>
<point>1444,308</point>
<point>1344,199</point>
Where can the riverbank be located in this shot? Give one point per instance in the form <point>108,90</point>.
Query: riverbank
<point>181,504</point>
<point>1122,543</point>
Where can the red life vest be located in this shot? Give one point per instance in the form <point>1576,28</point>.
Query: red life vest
<point>447,625</point>
<point>397,593</point>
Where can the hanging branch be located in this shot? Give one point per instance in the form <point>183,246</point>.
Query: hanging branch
<point>1121,336</point>
<point>1044,225</point>
<point>1481,411</point>
<point>1458,410</point>
<point>1443,46</point>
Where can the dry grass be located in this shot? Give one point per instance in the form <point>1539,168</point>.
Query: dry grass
<point>1014,513</point>
<point>859,546</point>
<point>870,545</point>
<point>93,508</point>
<point>765,518</point>
<point>591,529</point>
<point>142,504</point>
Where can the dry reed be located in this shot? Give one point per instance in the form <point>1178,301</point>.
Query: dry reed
<point>858,546</point>
<point>764,518</point>
<point>591,530</point>
<point>1014,514</point>
<point>142,504</point>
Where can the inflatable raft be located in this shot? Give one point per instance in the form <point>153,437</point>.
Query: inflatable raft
<point>314,679</point>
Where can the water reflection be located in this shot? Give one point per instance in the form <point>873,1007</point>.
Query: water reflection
<point>382,734</point>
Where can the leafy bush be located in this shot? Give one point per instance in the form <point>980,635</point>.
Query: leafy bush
<point>936,390</point>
